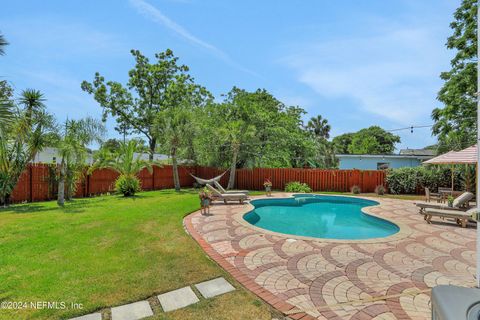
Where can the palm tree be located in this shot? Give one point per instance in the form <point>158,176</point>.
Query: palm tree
<point>33,101</point>
<point>3,44</point>
<point>72,146</point>
<point>319,127</point>
<point>126,164</point>
<point>24,132</point>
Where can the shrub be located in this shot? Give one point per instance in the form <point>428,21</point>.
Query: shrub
<point>295,186</point>
<point>127,185</point>
<point>356,189</point>
<point>380,190</point>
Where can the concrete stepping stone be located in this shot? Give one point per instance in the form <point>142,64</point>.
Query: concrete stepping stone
<point>214,287</point>
<point>91,316</point>
<point>132,311</point>
<point>177,299</point>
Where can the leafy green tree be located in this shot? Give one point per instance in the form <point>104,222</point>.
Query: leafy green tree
<point>126,163</point>
<point>455,123</point>
<point>3,44</point>
<point>342,142</point>
<point>25,132</point>
<point>371,140</point>
<point>136,105</point>
<point>175,122</point>
<point>72,146</point>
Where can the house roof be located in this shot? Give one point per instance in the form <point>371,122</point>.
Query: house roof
<point>418,152</point>
<point>383,156</point>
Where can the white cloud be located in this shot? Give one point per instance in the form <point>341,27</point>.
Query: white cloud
<point>393,75</point>
<point>157,16</point>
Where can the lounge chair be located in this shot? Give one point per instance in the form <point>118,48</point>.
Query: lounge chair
<point>432,196</point>
<point>217,195</point>
<point>461,217</point>
<point>220,188</point>
<point>459,204</point>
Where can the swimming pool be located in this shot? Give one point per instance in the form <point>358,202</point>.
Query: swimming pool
<point>330,217</point>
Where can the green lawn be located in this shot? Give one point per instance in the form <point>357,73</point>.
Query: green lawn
<point>107,251</point>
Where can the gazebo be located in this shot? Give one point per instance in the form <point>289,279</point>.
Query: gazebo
<point>466,156</point>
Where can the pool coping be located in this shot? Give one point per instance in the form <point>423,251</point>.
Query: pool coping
<point>403,232</point>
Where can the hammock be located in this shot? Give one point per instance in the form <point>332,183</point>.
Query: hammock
<point>209,181</point>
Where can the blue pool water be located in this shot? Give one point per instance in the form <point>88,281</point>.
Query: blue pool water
<point>319,216</point>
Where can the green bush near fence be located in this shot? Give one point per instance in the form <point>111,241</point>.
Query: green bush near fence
<point>410,180</point>
<point>295,186</point>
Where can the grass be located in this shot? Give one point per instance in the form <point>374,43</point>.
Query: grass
<point>107,251</point>
<point>391,196</point>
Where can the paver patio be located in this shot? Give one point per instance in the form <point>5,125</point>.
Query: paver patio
<point>305,278</point>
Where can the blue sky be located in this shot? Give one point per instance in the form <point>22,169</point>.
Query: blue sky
<point>357,63</point>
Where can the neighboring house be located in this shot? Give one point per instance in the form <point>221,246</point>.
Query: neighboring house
<point>51,155</point>
<point>406,158</point>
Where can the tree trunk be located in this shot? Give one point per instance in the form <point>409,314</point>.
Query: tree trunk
<point>233,167</point>
<point>61,184</point>
<point>152,144</point>
<point>176,179</point>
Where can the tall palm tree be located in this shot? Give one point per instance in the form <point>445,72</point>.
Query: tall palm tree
<point>3,44</point>
<point>319,127</point>
<point>72,146</point>
<point>33,101</point>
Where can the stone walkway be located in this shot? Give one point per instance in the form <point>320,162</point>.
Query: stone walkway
<point>306,278</point>
<point>169,301</point>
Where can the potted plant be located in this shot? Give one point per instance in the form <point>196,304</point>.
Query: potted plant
<point>268,187</point>
<point>205,200</point>
<point>450,201</point>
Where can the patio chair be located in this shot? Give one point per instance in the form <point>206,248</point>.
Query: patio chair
<point>220,188</point>
<point>431,196</point>
<point>217,195</point>
<point>461,217</point>
<point>459,204</point>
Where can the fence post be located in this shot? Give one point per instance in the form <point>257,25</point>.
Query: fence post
<point>30,181</point>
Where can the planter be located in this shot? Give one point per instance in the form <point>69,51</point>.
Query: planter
<point>205,202</point>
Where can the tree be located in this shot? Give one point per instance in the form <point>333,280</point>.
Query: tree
<point>174,123</point>
<point>3,44</point>
<point>455,123</point>
<point>24,132</point>
<point>135,107</point>
<point>319,127</point>
<point>342,142</point>
<point>72,146</point>
<point>126,164</point>
<point>371,140</point>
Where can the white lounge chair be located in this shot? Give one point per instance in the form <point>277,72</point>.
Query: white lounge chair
<point>459,204</point>
<point>227,196</point>
<point>461,217</point>
<point>220,188</point>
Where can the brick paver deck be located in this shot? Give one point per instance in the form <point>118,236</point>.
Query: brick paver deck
<point>306,278</point>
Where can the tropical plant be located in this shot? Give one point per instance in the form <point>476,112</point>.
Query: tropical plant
<point>455,123</point>
<point>25,130</point>
<point>127,185</point>
<point>72,145</point>
<point>319,127</point>
<point>295,186</point>
<point>125,162</point>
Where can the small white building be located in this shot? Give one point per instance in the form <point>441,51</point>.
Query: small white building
<point>51,155</point>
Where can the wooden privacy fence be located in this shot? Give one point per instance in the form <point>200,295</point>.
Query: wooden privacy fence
<point>37,182</point>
